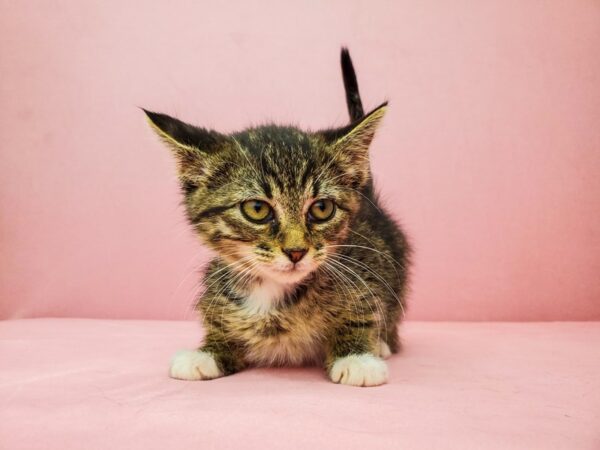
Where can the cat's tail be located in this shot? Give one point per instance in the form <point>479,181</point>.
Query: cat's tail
<point>355,108</point>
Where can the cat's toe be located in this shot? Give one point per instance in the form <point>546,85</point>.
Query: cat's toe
<point>359,370</point>
<point>194,365</point>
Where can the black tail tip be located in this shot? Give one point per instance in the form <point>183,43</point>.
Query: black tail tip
<point>345,53</point>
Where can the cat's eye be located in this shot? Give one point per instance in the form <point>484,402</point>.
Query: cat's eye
<point>321,210</point>
<point>257,211</point>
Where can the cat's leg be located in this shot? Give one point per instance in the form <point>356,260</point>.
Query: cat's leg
<point>383,349</point>
<point>390,342</point>
<point>353,356</point>
<point>215,358</point>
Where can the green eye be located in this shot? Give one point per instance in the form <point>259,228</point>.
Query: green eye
<point>257,211</point>
<point>321,210</point>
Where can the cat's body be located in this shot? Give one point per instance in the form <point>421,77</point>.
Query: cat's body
<point>310,268</point>
<point>291,327</point>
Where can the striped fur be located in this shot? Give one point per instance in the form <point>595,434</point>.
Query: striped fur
<point>342,302</point>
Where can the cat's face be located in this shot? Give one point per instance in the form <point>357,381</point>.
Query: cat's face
<point>272,201</point>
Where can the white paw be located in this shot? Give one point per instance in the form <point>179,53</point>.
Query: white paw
<point>383,350</point>
<point>194,365</point>
<point>359,370</point>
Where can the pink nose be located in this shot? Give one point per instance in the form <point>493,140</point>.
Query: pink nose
<point>295,254</point>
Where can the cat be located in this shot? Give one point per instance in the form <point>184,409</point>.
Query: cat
<point>310,268</point>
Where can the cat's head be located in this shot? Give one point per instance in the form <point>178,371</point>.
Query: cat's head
<point>272,200</point>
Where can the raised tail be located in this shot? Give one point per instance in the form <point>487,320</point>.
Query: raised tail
<point>355,108</point>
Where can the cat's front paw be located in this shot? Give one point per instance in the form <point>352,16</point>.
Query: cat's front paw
<point>194,365</point>
<point>359,370</point>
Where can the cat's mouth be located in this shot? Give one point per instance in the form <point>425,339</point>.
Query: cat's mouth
<point>291,269</point>
<point>293,273</point>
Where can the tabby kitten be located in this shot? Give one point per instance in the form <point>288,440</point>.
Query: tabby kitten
<point>310,269</point>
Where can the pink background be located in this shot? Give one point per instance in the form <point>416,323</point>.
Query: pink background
<point>490,154</point>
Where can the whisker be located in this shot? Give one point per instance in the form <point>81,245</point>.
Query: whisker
<point>364,196</point>
<point>392,291</point>
<point>234,276</point>
<point>340,277</point>
<point>358,277</point>
<point>379,277</point>
<point>367,248</point>
<point>231,266</point>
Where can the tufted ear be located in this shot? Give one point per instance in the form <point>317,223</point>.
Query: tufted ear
<point>350,145</point>
<point>191,145</point>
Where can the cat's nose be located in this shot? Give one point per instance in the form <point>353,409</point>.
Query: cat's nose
<point>295,254</point>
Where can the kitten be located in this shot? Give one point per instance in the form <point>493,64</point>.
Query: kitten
<point>310,269</point>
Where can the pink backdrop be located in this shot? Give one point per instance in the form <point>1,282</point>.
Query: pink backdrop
<point>490,153</point>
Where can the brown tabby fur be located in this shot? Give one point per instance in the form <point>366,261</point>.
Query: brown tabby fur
<point>353,296</point>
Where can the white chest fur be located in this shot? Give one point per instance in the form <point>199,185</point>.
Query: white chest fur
<point>277,336</point>
<point>264,296</point>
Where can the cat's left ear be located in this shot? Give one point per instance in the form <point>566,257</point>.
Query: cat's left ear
<point>191,146</point>
<point>350,145</point>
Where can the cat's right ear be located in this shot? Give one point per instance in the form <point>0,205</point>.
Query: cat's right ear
<point>191,145</point>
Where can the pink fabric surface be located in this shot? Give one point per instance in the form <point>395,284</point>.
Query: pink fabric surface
<point>489,152</point>
<point>74,384</point>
